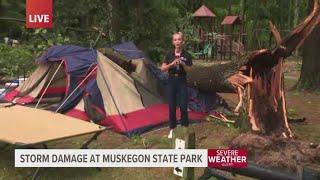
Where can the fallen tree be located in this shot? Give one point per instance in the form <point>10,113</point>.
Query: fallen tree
<point>258,78</point>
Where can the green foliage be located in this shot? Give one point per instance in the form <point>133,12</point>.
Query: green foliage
<point>16,9</point>
<point>242,121</point>
<point>149,24</point>
<point>220,122</point>
<point>14,60</point>
<point>292,113</point>
<point>42,39</point>
<point>136,139</point>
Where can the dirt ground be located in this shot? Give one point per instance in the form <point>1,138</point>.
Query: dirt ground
<point>208,135</point>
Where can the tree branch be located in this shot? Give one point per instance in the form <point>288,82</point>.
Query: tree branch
<point>275,33</point>
<point>12,19</point>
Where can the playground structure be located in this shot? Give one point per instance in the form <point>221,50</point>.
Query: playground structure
<point>211,42</point>
<point>231,37</point>
<point>206,17</point>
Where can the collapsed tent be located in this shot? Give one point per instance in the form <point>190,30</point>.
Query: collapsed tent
<point>85,84</point>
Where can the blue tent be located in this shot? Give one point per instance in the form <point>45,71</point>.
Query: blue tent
<point>78,63</point>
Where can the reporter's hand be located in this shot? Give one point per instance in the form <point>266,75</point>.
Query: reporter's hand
<point>182,63</point>
<point>175,62</point>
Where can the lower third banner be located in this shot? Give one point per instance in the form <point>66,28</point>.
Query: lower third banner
<point>130,158</point>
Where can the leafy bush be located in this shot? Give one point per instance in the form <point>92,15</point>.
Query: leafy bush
<point>15,60</point>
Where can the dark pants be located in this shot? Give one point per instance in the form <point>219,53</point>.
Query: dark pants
<point>178,92</point>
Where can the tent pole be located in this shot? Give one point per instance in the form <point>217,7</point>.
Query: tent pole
<point>45,90</point>
<point>76,88</point>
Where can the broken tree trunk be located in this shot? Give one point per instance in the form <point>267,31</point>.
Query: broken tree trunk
<point>268,109</point>
<point>215,78</point>
<point>258,78</point>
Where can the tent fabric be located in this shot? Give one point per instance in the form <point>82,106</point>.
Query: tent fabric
<point>128,49</point>
<point>25,126</point>
<point>145,82</point>
<point>35,86</point>
<point>26,87</point>
<point>151,117</point>
<point>117,88</point>
<point>57,86</point>
<point>78,63</point>
<point>77,59</point>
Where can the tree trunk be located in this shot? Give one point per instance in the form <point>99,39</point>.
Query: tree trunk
<point>296,12</point>
<point>310,71</point>
<point>140,5</point>
<point>229,7</point>
<point>289,14</point>
<point>252,39</point>
<point>113,21</point>
<point>242,16</point>
<point>242,8</point>
<point>215,78</point>
<point>296,19</point>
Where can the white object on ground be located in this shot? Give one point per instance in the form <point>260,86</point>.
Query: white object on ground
<point>170,134</point>
<point>2,93</point>
<point>15,82</point>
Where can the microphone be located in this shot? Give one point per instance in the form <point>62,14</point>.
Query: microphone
<point>177,56</point>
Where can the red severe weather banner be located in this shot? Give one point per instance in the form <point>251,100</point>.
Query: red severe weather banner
<point>235,158</point>
<point>39,14</point>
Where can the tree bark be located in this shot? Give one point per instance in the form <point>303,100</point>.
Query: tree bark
<point>296,19</point>
<point>215,78</point>
<point>296,12</point>
<point>113,21</point>
<point>242,16</point>
<point>310,71</point>
<point>289,14</point>
<point>229,7</point>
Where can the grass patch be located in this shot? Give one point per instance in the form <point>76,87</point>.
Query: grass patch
<point>292,113</point>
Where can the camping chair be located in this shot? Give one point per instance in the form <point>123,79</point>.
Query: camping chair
<point>205,52</point>
<point>27,127</point>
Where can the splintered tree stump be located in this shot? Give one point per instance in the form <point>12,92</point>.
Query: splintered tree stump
<point>258,79</point>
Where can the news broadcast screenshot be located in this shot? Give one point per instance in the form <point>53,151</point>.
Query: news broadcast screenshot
<point>160,89</point>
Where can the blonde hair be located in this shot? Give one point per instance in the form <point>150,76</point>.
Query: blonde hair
<point>178,33</point>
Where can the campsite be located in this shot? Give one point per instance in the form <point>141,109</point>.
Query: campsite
<point>95,80</point>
